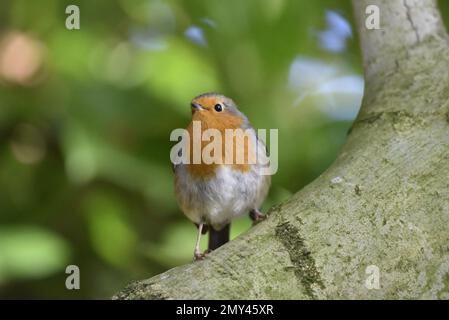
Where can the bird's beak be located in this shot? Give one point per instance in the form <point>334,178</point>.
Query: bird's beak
<point>196,106</point>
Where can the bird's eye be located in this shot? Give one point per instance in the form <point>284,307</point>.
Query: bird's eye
<point>218,107</point>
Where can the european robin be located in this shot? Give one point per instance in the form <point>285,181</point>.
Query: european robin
<point>212,194</point>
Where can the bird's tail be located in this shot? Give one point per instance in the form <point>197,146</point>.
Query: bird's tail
<point>218,238</point>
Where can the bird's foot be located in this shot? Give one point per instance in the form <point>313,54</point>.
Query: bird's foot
<point>256,216</point>
<point>198,255</point>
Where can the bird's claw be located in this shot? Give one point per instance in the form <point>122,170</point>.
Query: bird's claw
<point>257,216</point>
<point>198,255</point>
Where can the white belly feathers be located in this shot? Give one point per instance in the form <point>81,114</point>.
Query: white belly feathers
<point>217,200</point>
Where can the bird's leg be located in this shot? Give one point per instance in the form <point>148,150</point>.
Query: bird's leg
<point>205,228</point>
<point>256,216</point>
<point>197,254</point>
<point>218,238</point>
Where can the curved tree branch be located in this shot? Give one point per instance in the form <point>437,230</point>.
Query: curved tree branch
<point>384,201</point>
<point>405,25</point>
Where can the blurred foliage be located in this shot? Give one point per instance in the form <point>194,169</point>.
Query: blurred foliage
<point>85,119</point>
<point>18,259</point>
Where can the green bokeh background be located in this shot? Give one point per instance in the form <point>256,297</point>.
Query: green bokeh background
<point>85,175</point>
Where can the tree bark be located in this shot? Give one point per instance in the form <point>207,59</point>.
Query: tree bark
<point>383,202</point>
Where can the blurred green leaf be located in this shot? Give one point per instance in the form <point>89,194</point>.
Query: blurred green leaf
<point>88,156</point>
<point>113,238</point>
<point>31,252</point>
<point>178,73</point>
<point>71,52</point>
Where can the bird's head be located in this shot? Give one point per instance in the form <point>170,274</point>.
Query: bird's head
<point>217,111</point>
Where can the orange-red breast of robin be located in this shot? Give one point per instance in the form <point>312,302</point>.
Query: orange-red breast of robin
<point>212,194</point>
